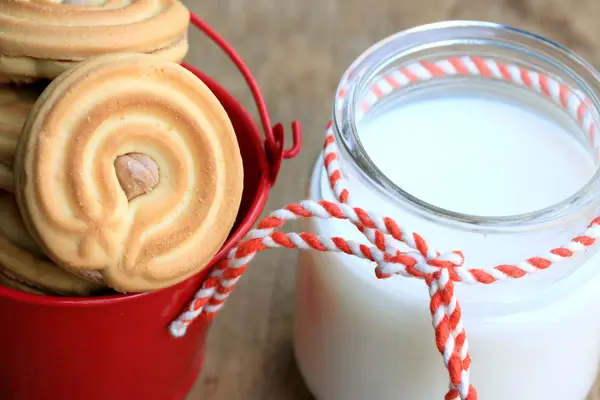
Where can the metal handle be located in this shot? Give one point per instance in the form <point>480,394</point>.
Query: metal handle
<point>275,135</point>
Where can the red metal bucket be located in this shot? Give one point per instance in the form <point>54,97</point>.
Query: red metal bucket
<point>119,347</point>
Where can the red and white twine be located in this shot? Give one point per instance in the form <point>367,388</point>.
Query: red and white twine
<point>440,271</point>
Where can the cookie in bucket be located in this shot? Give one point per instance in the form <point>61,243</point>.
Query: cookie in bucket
<point>24,266</point>
<point>42,39</point>
<point>128,172</point>
<point>15,104</point>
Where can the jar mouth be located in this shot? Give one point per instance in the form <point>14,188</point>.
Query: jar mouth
<point>447,39</point>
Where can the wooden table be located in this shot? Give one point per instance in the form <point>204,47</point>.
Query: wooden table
<point>298,50</point>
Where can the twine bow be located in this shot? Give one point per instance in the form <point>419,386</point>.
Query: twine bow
<point>439,271</point>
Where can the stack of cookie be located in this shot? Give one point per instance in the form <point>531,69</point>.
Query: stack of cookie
<point>23,265</point>
<point>119,169</point>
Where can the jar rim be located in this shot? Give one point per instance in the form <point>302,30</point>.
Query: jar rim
<point>372,60</point>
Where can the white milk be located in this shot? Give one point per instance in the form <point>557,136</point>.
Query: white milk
<point>537,338</point>
<point>477,156</point>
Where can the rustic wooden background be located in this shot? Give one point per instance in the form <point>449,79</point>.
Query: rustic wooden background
<point>298,50</point>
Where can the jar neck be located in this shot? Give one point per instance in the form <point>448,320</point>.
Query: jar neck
<point>488,60</point>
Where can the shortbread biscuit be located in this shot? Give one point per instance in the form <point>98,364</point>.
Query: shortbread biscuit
<point>69,176</point>
<point>9,282</point>
<point>42,39</point>
<point>15,104</point>
<point>25,265</point>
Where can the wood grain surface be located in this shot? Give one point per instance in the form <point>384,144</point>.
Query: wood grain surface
<point>298,50</point>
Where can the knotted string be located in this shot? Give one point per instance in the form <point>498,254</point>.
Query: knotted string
<point>439,271</point>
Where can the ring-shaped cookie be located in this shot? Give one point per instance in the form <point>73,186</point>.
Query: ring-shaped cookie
<point>67,187</point>
<point>12,283</point>
<point>15,104</point>
<point>42,39</point>
<point>25,267</point>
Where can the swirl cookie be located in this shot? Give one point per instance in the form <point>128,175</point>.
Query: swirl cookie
<point>128,168</point>
<point>15,104</point>
<point>25,267</point>
<point>12,283</point>
<point>42,39</point>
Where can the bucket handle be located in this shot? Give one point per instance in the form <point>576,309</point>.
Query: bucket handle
<point>275,135</point>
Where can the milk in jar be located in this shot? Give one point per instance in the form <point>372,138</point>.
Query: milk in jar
<point>464,134</point>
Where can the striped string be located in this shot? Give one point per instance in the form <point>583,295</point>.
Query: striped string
<point>439,271</point>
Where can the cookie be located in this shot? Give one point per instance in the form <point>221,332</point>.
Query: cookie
<point>12,283</point>
<point>42,39</point>
<point>25,265</point>
<point>129,168</point>
<point>15,104</point>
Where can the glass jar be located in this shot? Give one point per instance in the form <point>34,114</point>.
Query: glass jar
<point>481,138</point>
